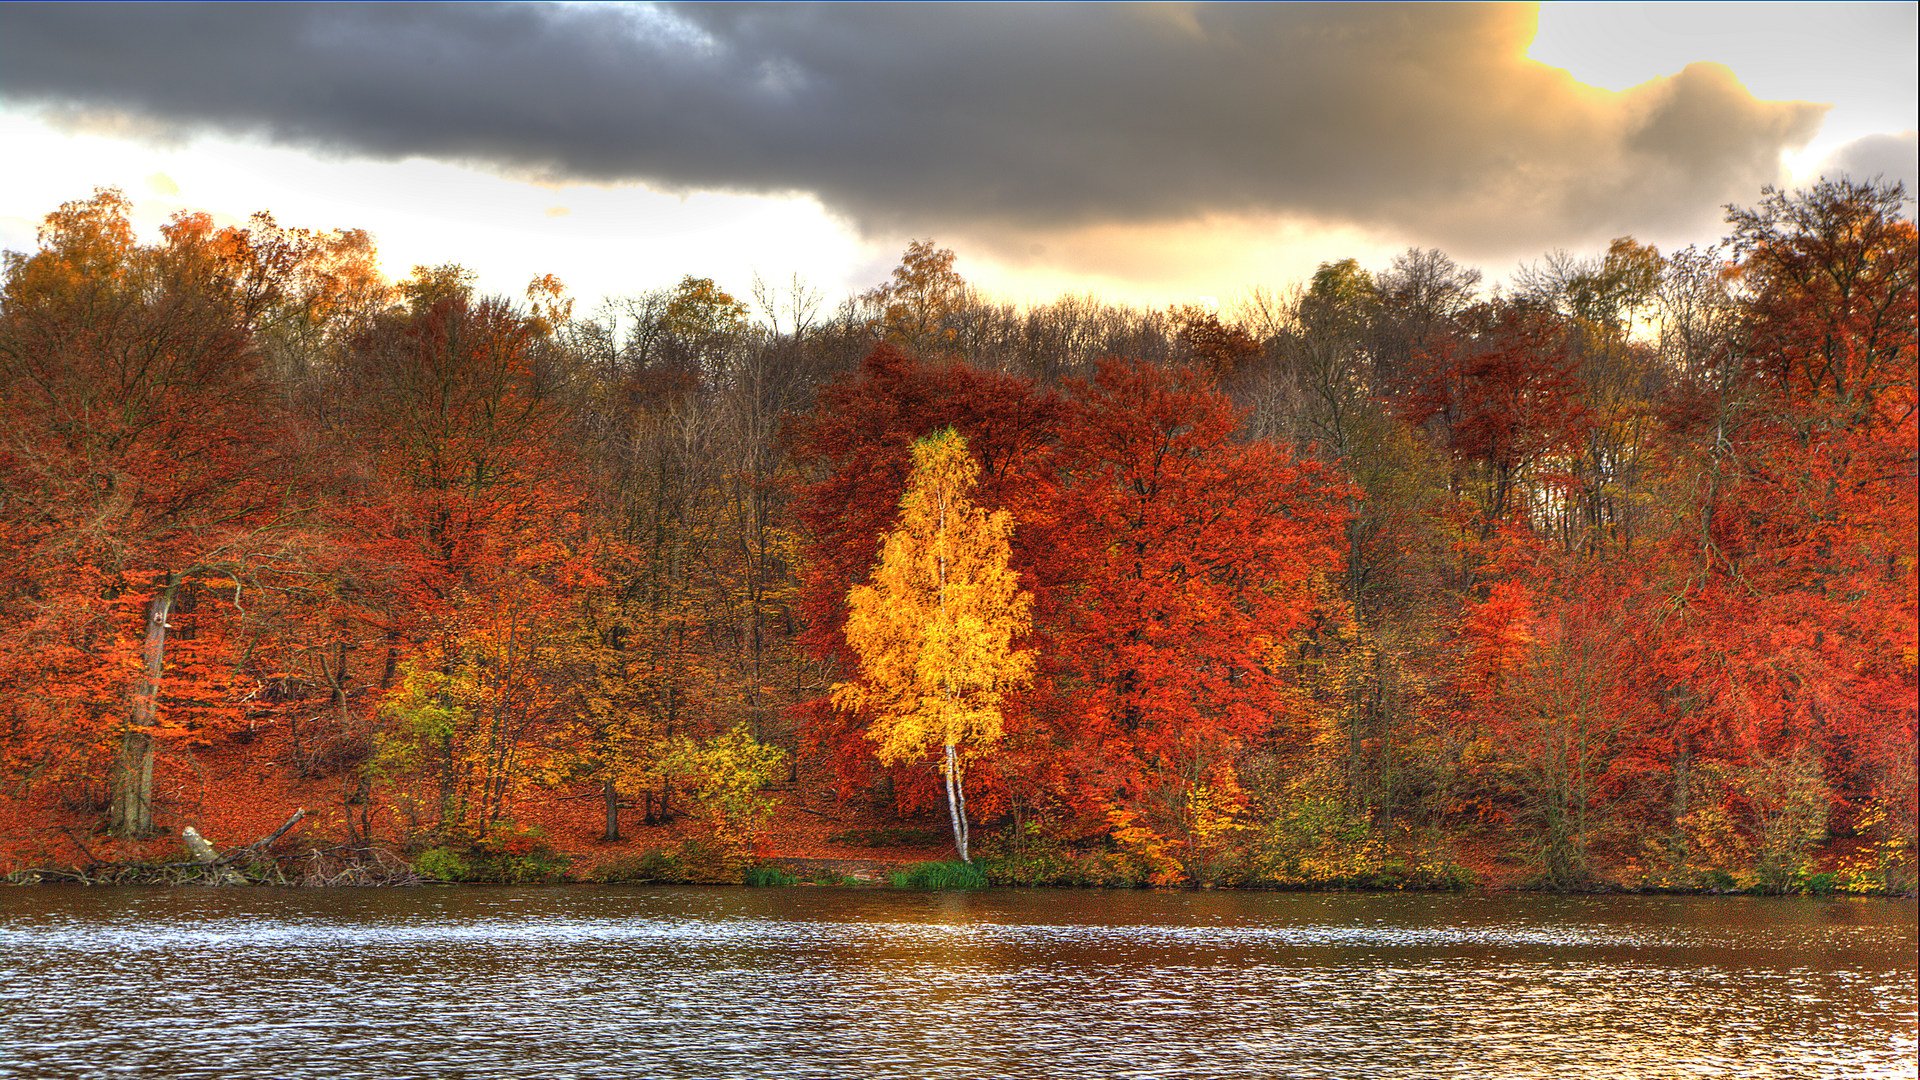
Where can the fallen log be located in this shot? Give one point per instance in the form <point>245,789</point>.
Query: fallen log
<point>266,841</point>
<point>217,869</point>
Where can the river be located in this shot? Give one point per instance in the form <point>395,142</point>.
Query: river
<point>818,982</point>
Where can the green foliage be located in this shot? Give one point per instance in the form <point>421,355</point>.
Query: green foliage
<point>518,855</point>
<point>545,867</point>
<point>765,877</point>
<point>507,855</point>
<point>1720,881</point>
<point>1025,854</point>
<point>425,710</point>
<point>1820,884</point>
<point>940,876</point>
<point>1789,800</point>
<point>442,864</point>
<point>431,725</point>
<point>1315,839</point>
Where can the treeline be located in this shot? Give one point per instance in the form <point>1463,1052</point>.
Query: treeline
<point>1612,571</point>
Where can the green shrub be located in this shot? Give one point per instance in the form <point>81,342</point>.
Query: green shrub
<point>516,855</point>
<point>1444,875</point>
<point>442,864</point>
<point>507,855</point>
<point>765,877</point>
<point>1821,884</point>
<point>940,876</point>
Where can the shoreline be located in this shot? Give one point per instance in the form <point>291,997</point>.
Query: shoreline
<point>140,876</point>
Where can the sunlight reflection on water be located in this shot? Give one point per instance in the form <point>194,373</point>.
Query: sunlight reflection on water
<point>829,983</point>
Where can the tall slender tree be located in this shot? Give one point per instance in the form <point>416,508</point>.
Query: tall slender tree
<point>935,629</point>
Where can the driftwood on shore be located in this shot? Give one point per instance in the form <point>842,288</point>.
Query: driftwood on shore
<point>261,845</point>
<point>251,864</point>
<point>218,868</point>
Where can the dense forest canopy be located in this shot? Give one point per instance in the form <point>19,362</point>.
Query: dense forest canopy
<point>1610,572</point>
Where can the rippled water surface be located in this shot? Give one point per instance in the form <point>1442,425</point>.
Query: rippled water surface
<point>847,983</point>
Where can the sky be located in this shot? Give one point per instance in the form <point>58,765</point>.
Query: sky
<point>1150,154</point>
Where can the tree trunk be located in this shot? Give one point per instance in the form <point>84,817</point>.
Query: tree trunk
<point>130,812</point>
<point>448,789</point>
<point>613,812</point>
<point>130,805</point>
<point>956,804</point>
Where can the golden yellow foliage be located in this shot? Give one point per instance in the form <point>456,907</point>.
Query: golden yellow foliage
<point>935,629</point>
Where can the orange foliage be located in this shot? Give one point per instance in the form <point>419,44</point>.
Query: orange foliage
<point>1617,574</point>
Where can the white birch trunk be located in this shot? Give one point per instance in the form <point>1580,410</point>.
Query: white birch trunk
<point>956,804</point>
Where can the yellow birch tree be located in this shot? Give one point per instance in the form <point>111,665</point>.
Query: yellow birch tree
<point>935,629</point>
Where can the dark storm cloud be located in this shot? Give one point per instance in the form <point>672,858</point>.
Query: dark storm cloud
<point>982,120</point>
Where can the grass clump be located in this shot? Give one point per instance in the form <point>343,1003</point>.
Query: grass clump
<point>768,877</point>
<point>940,876</point>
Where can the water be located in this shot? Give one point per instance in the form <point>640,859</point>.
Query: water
<point>796,983</point>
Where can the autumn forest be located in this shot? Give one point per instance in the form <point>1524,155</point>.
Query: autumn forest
<point>1603,578</point>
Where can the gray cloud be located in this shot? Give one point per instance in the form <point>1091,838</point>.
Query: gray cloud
<point>1881,157</point>
<point>985,121</point>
